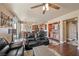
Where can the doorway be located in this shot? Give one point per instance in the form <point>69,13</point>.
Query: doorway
<point>71,31</point>
<point>54,31</point>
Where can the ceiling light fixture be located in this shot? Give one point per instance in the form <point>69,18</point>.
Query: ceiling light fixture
<point>43,7</point>
<point>47,6</point>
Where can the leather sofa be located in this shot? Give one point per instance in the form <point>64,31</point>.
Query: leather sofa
<point>4,51</point>
<point>16,52</point>
<point>33,41</point>
<point>3,43</point>
<point>41,38</point>
<point>8,51</point>
<point>11,49</point>
<point>43,41</point>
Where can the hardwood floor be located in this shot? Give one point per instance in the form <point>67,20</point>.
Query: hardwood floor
<point>65,49</point>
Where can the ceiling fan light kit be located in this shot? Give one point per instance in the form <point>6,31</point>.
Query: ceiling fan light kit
<point>46,6</point>
<point>43,7</point>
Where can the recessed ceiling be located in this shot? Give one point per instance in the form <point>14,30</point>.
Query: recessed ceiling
<point>25,13</point>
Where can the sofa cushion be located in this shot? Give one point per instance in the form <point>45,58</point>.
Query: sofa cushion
<point>20,51</point>
<point>2,43</point>
<point>33,43</point>
<point>12,52</point>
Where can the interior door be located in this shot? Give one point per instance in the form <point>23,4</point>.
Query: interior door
<point>72,31</point>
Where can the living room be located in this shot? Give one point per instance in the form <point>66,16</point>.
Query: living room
<point>19,24</point>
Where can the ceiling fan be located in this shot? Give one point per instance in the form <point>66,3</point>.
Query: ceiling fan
<point>46,6</point>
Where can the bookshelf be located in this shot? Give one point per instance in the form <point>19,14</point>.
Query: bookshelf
<point>54,30</point>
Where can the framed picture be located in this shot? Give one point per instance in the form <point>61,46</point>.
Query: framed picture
<point>4,20</point>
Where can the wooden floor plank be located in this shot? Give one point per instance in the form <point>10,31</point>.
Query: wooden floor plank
<point>65,49</point>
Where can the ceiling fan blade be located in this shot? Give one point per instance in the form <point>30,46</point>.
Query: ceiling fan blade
<point>54,6</point>
<point>37,5</point>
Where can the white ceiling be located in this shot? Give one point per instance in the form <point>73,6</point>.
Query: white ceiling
<point>25,13</point>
